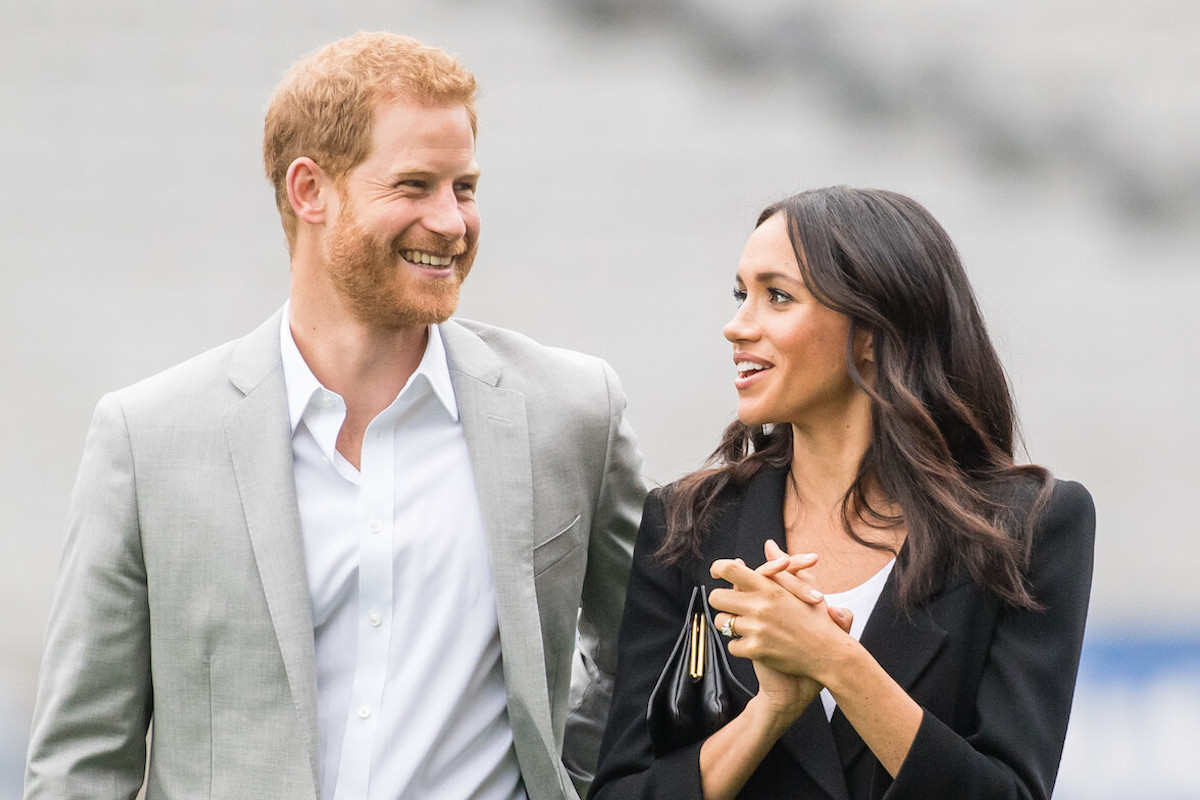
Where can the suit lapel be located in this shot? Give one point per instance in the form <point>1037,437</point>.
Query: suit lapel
<point>809,740</point>
<point>904,643</point>
<point>259,438</point>
<point>495,425</point>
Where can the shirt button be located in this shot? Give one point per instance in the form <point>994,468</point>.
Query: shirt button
<point>364,712</point>
<point>375,618</point>
<point>376,526</point>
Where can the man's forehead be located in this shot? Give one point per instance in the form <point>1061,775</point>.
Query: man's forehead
<point>396,102</point>
<point>406,131</point>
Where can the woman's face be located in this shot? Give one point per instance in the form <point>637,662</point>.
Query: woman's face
<point>789,349</point>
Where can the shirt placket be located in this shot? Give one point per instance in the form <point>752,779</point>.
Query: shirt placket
<point>376,522</point>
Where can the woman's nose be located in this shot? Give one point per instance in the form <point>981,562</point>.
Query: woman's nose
<point>741,328</point>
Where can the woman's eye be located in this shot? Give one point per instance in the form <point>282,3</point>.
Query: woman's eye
<point>739,296</point>
<point>778,297</point>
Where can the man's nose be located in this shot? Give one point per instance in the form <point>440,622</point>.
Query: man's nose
<point>443,215</point>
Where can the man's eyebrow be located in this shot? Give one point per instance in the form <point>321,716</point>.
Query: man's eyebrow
<point>422,172</point>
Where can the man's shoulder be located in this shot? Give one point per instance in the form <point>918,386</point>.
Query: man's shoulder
<point>209,376</point>
<point>519,353</point>
<point>185,377</point>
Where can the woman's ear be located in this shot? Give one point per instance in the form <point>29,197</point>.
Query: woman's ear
<point>864,347</point>
<point>308,191</point>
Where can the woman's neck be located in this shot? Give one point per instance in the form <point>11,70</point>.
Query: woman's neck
<point>824,466</point>
<point>826,456</point>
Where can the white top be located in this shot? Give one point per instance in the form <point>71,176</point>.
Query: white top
<point>410,691</point>
<point>861,601</point>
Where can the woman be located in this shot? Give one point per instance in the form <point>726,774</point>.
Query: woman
<point>874,443</point>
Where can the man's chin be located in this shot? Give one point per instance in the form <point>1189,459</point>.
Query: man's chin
<point>409,312</point>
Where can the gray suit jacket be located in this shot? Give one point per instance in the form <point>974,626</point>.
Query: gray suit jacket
<point>182,595</point>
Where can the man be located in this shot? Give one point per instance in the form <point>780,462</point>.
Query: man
<point>349,555</point>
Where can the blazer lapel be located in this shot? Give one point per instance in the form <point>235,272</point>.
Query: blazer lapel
<point>904,643</point>
<point>495,425</point>
<point>809,741</point>
<point>260,447</point>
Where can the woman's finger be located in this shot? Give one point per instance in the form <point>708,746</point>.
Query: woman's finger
<point>735,571</point>
<point>796,562</point>
<point>844,617</point>
<point>774,566</point>
<point>730,601</point>
<point>799,588</point>
<point>773,550</point>
<point>726,623</point>
<point>801,561</point>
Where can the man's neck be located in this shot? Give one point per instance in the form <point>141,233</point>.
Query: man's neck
<point>367,367</point>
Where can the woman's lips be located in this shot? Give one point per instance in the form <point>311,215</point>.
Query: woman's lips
<point>749,369</point>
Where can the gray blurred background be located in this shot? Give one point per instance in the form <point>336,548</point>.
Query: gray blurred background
<point>627,147</point>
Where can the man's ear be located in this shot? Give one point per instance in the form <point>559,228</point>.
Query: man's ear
<point>309,191</point>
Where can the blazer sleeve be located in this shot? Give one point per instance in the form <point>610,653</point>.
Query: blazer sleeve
<point>654,611</point>
<point>1025,691</point>
<point>94,697</point>
<point>617,510</point>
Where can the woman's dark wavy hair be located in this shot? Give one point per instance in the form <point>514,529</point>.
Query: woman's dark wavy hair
<point>943,424</point>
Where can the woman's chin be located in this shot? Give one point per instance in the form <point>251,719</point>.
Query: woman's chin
<point>753,420</point>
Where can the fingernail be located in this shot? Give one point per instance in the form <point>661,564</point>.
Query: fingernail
<point>815,595</point>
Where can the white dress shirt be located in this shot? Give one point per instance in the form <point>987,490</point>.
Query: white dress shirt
<point>410,689</point>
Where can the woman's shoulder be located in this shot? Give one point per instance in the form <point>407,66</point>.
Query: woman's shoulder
<point>1050,506</point>
<point>1038,488</point>
<point>686,491</point>
<point>1069,504</point>
<point>1071,494</point>
<point>684,525</point>
<point>732,489</point>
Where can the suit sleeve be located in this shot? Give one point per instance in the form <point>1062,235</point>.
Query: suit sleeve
<point>656,605</point>
<point>94,699</point>
<point>615,518</point>
<point>1026,689</point>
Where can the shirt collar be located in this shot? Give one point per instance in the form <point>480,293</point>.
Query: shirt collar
<point>301,384</point>
<point>435,366</point>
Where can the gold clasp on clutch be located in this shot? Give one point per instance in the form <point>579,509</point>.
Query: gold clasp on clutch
<point>696,661</point>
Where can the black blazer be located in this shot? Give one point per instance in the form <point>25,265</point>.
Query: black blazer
<point>995,682</point>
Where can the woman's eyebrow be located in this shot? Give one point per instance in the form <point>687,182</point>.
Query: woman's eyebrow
<point>763,277</point>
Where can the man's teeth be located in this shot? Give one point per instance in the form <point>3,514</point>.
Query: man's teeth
<point>749,366</point>
<point>419,257</point>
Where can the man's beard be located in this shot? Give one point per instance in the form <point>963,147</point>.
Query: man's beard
<point>384,292</point>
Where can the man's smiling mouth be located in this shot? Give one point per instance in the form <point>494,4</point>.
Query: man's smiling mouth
<point>426,259</point>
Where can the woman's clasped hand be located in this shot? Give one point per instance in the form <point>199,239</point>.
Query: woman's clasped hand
<point>771,607</point>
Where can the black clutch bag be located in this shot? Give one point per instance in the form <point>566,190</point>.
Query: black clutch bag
<point>695,694</point>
